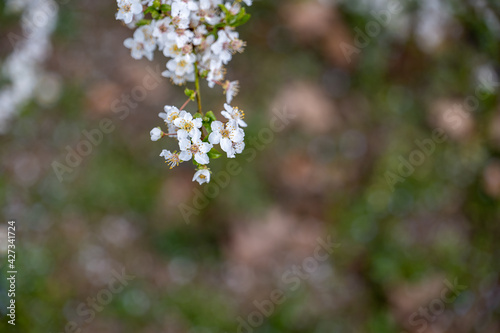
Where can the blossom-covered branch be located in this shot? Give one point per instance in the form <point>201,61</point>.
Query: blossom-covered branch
<point>199,39</point>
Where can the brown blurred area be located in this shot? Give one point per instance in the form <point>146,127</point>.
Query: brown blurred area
<point>355,160</point>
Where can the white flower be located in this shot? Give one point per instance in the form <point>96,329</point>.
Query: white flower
<point>181,36</point>
<point>216,73</point>
<point>234,114</point>
<point>231,89</point>
<point>226,136</point>
<point>237,149</point>
<point>172,159</point>
<point>221,47</point>
<point>127,9</point>
<point>171,50</point>
<point>156,134</point>
<point>179,79</point>
<point>181,11</point>
<point>171,113</point>
<point>188,126</point>
<point>145,34</point>
<point>248,2</point>
<point>182,65</point>
<point>194,147</point>
<point>202,176</point>
<point>199,34</point>
<point>143,43</point>
<point>160,31</point>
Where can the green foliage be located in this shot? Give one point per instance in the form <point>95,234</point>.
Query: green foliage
<point>234,20</point>
<point>191,94</point>
<point>214,154</point>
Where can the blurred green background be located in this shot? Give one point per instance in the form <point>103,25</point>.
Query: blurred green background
<point>358,163</point>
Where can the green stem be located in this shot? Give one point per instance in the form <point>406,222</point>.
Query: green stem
<point>197,85</point>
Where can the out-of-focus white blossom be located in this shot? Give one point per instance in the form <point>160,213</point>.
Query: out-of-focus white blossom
<point>23,67</point>
<point>127,9</point>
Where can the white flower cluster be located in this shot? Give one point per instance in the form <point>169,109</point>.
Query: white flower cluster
<point>194,35</point>
<point>22,68</point>
<point>193,145</point>
<point>198,37</point>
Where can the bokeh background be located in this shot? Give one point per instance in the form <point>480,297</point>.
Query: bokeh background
<point>331,172</point>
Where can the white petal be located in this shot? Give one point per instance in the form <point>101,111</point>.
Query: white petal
<point>129,43</point>
<point>205,147</point>
<point>184,144</point>
<point>198,122</point>
<point>217,126</point>
<point>185,155</point>
<point>202,158</point>
<point>237,135</point>
<point>165,153</point>
<point>214,137</point>
<point>225,114</point>
<point>226,144</point>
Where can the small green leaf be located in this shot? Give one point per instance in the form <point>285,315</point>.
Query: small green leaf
<point>243,20</point>
<point>143,22</point>
<point>150,9</point>
<point>156,4</point>
<point>190,93</point>
<point>225,10</point>
<point>204,74</point>
<point>210,115</point>
<point>165,8</point>
<point>214,154</point>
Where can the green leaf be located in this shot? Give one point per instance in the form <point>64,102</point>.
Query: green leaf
<point>156,4</point>
<point>197,115</point>
<point>208,127</point>
<point>225,10</point>
<point>165,8</point>
<point>143,22</point>
<point>214,154</point>
<point>241,18</point>
<point>150,9</point>
<point>190,93</point>
<point>210,115</point>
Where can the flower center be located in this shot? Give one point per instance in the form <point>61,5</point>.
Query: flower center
<point>187,126</point>
<point>176,20</point>
<point>239,113</point>
<point>194,149</point>
<point>182,63</point>
<point>173,160</point>
<point>225,133</point>
<point>173,116</point>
